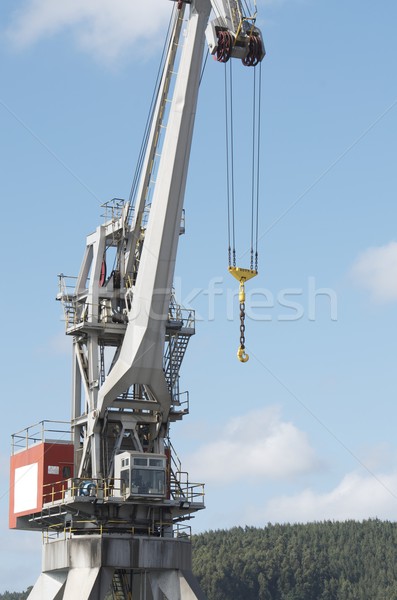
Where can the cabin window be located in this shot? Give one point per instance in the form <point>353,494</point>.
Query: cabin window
<point>148,481</point>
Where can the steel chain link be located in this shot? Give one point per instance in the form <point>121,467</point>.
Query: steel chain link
<point>242,325</point>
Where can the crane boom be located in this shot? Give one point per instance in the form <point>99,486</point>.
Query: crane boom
<point>141,354</point>
<point>149,254</point>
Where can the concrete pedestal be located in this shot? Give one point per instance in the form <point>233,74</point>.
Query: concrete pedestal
<point>92,567</point>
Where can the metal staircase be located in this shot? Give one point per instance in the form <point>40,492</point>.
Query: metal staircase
<point>180,327</point>
<point>121,589</point>
<point>173,359</point>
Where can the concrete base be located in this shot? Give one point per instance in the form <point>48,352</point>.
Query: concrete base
<point>93,567</point>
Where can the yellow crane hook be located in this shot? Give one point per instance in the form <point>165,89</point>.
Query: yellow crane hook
<point>242,275</point>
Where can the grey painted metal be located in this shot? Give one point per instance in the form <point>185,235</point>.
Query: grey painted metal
<point>145,256</point>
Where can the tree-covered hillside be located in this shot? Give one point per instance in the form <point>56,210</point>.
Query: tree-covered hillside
<point>318,561</point>
<point>15,595</point>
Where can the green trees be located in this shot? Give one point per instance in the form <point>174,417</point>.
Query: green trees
<point>316,561</point>
<point>15,595</point>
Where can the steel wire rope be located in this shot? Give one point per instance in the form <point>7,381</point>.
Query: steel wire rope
<point>232,161</point>
<point>253,165</point>
<point>255,168</point>
<point>251,12</point>
<point>248,8</point>
<point>230,164</point>
<point>152,105</point>
<point>204,66</point>
<point>259,137</point>
<point>229,250</point>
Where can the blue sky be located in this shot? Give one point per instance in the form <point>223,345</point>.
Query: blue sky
<point>306,429</point>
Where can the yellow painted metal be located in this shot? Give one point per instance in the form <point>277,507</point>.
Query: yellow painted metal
<point>241,292</point>
<point>242,274</point>
<point>242,355</point>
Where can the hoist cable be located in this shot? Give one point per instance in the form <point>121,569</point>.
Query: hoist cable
<point>251,10</point>
<point>227,169</point>
<point>253,167</point>
<point>258,165</point>
<point>204,65</point>
<point>230,164</point>
<point>247,8</point>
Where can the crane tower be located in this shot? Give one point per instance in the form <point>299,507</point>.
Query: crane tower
<point>107,489</point>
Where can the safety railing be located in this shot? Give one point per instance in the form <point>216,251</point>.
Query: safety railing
<point>64,491</point>
<point>67,295</point>
<point>158,528</point>
<point>181,402</point>
<point>181,488</point>
<point>181,318</point>
<point>68,489</point>
<point>59,530</point>
<point>54,431</point>
<point>113,209</point>
<point>77,311</point>
<point>66,286</point>
<point>185,491</point>
<point>182,531</point>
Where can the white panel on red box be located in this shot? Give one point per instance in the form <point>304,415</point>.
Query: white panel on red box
<point>25,489</point>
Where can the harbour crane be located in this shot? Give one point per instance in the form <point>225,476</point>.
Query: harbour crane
<point>112,499</point>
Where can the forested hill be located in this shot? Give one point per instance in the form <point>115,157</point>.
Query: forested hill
<point>318,561</point>
<point>15,595</point>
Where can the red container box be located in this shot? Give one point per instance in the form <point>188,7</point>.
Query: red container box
<point>38,476</point>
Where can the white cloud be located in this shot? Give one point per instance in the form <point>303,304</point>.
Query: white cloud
<point>355,497</point>
<point>255,446</point>
<point>376,271</point>
<point>105,28</point>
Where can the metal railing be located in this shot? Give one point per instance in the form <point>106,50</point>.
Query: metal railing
<point>67,295</point>
<point>182,489</point>
<point>183,317</point>
<point>158,528</point>
<point>113,209</point>
<point>181,402</point>
<point>77,310</point>
<point>63,491</point>
<point>54,431</point>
